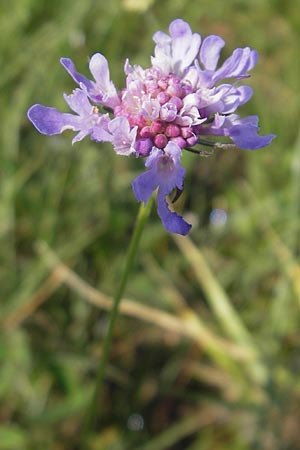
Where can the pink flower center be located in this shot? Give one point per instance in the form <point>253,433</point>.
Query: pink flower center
<point>153,103</point>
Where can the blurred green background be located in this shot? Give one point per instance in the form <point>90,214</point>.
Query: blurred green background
<point>211,360</point>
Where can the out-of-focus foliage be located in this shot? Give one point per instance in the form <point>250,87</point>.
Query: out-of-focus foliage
<point>194,376</point>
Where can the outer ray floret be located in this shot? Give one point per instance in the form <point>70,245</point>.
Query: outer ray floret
<point>165,173</point>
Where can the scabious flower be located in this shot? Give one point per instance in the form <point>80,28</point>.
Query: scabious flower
<point>167,108</point>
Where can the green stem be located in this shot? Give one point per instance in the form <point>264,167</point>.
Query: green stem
<point>132,250</point>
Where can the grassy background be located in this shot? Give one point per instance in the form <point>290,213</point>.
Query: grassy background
<point>187,371</point>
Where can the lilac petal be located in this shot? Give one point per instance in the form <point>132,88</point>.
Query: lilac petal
<point>212,100</point>
<point>172,222</point>
<point>77,77</point>
<point>123,137</point>
<point>233,97</point>
<point>247,138</point>
<point>144,185</point>
<point>253,58</point>
<point>168,112</point>
<point>234,119</point>
<point>50,121</point>
<point>79,102</point>
<point>100,71</point>
<point>210,51</point>
<point>162,52</point>
<point>100,131</point>
<point>189,114</point>
<point>169,179</point>
<point>230,64</point>
<point>185,44</point>
<point>116,131</point>
<point>245,134</point>
<point>161,38</point>
<point>245,93</point>
<point>168,168</point>
<point>175,53</point>
<point>96,126</point>
<point>191,76</point>
<point>166,173</point>
<point>152,159</point>
<point>238,64</point>
<point>104,89</point>
<point>219,121</point>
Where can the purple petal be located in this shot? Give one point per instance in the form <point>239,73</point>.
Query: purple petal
<point>123,136</point>
<point>78,77</point>
<point>245,93</point>
<point>172,222</point>
<point>168,112</point>
<point>144,185</point>
<point>245,134</point>
<point>191,76</point>
<point>116,131</point>
<point>185,44</point>
<point>153,158</point>
<point>50,121</point>
<point>253,58</point>
<point>232,97</point>
<point>168,168</point>
<point>100,131</point>
<point>104,89</point>
<point>161,38</point>
<point>210,51</point>
<point>166,173</point>
<point>238,64</point>
<point>100,71</point>
<point>177,52</point>
<point>79,102</point>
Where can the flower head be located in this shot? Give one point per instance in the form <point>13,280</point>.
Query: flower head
<point>163,110</point>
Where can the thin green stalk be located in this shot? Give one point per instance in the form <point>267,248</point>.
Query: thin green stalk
<point>93,410</point>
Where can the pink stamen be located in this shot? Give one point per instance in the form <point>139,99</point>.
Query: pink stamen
<point>179,141</point>
<point>163,97</point>
<point>143,146</point>
<point>160,141</point>
<point>146,132</point>
<point>186,132</point>
<point>157,126</point>
<point>177,102</point>
<point>168,112</point>
<point>172,130</point>
<point>175,90</point>
<point>163,83</point>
